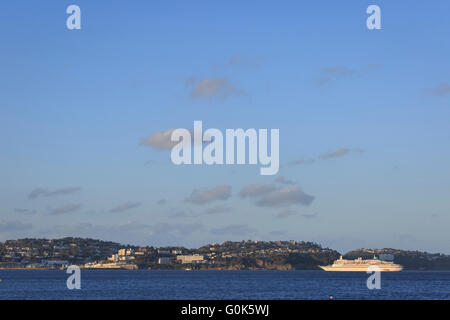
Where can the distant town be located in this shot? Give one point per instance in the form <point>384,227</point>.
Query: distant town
<point>244,255</point>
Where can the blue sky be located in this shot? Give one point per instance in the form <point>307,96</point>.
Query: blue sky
<point>75,105</point>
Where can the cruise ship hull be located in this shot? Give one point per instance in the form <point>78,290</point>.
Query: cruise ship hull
<point>361,268</point>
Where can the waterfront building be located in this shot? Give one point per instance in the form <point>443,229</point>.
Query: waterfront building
<point>190,258</point>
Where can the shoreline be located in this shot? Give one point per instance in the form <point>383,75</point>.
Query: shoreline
<point>226,270</point>
<point>29,269</point>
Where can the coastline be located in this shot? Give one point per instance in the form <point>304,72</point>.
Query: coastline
<point>210,269</point>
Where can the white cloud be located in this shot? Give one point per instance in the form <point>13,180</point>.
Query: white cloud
<point>160,140</point>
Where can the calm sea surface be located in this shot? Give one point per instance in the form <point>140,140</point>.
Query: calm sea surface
<point>155,284</point>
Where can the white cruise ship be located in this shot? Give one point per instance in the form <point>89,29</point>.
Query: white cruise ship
<point>361,265</point>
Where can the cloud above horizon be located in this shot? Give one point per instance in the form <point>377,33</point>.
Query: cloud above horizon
<point>211,87</point>
<point>334,73</point>
<point>177,214</point>
<point>283,180</point>
<point>285,213</point>
<point>67,208</point>
<point>301,161</point>
<point>285,197</point>
<point>269,195</point>
<point>222,192</point>
<point>255,190</point>
<point>125,206</point>
<point>327,155</point>
<point>334,154</point>
<point>37,192</point>
<point>160,140</point>
<point>441,89</point>
<point>338,153</point>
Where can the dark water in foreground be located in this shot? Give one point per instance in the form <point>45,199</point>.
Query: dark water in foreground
<point>153,284</point>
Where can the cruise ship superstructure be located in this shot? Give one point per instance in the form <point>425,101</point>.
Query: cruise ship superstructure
<point>362,265</point>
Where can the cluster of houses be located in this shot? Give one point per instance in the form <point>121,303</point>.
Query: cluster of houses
<point>50,257</point>
<point>177,256</point>
<point>47,254</point>
<point>126,259</point>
